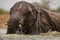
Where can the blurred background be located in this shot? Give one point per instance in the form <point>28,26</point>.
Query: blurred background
<point>5,5</point>
<point>48,4</point>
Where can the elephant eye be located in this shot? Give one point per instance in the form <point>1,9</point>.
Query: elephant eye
<point>28,14</point>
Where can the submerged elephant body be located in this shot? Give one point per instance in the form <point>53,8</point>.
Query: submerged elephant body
<point>31,18</point>
<point>55,17</point>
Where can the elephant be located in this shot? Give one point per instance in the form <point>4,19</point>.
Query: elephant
<point>28,18</point>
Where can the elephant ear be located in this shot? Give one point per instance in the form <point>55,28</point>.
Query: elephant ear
<point>45,20</point>
<point>45,15</point>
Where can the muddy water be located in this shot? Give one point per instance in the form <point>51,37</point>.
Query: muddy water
<point>3,31</point>
<point>43,36</point>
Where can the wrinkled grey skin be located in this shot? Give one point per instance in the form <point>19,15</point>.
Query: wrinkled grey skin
<point>50,20</point>
<point>55,17</point>
<point>27,18</point>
